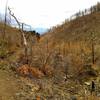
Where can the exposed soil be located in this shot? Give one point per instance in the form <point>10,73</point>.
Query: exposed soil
<point>8,85</point>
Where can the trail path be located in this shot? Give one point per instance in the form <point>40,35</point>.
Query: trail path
<point>8,85</point>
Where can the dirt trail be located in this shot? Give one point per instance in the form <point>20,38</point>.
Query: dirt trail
<point>8,85</point>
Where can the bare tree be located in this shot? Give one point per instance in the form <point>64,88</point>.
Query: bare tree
<point>22,34</point>
<point>93,48</point>
<point>5,20</point>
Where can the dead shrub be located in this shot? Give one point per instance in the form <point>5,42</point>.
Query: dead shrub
<point>26,70</point>
<point>23,70</point>
<point>47,70</point>
<point>35,72</point>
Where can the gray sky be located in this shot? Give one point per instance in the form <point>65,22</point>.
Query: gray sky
<point>45,13</point>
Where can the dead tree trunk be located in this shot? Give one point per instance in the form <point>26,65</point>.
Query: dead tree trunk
<point>5,20</point>
<point>22,35</point>
<point>93,48</point>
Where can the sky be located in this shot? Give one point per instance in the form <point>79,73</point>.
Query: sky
<point>45,13</point>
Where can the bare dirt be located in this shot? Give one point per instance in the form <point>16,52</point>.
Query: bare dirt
<point>9,85</point>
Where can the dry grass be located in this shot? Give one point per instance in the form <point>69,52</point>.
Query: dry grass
<point>65,51</point>
<point>90,97</point>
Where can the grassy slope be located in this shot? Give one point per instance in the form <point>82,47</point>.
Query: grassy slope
<point>75,37</point>
<point>73,40</point>
<point>12,34</point>
<point>77,29</point>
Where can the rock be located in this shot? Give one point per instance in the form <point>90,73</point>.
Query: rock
<point>33,87</point>
<point>29,85</point>
<point>72,97</point>
<point>20,94</point>
<point>17,94</point>
<point>36,88</point>
<point>87,83</point>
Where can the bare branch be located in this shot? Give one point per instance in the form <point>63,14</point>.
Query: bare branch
<point>12,14</point>
<point>22,33</point>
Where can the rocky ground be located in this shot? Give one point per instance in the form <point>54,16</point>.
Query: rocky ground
<point>14,87</point>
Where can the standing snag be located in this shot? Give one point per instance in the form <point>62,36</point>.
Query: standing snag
<point>93,48</point>
<point>22,34</point>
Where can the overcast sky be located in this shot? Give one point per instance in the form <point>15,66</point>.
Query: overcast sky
<point>45,13</point>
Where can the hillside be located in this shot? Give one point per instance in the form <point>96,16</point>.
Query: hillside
<point>79,37</point>
<point>76,29</point>
<point>61,64</point>
<point>80,26</point>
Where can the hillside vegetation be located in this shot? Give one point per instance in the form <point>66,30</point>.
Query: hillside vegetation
<point>79,28</point>
<point>77,37</point>
<point>58,65</point>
